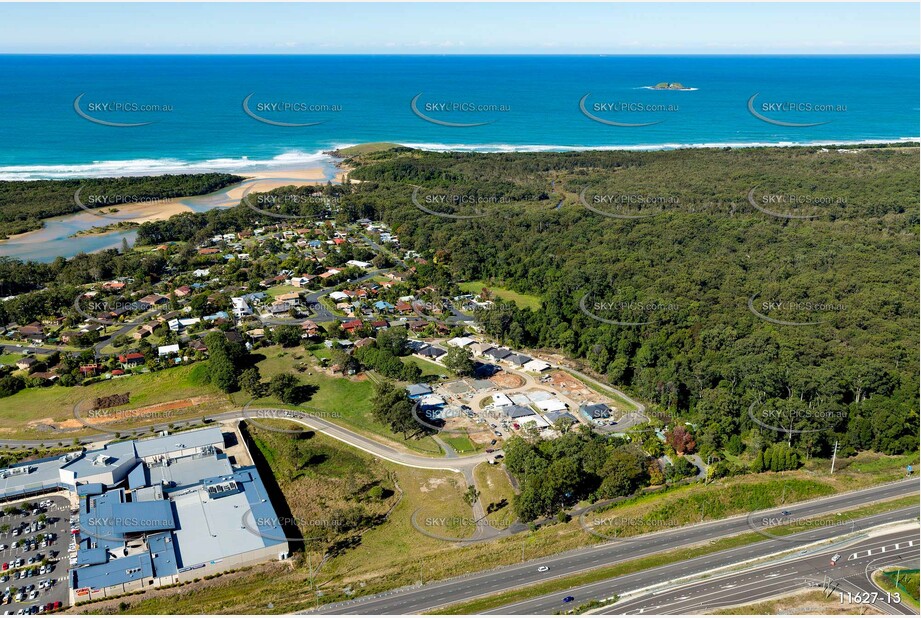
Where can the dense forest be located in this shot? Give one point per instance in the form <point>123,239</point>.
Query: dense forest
<point>766,296</point>
<point>718,313</point>
<point>23,204</point>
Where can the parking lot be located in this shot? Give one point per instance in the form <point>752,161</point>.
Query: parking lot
<point>34,537</point>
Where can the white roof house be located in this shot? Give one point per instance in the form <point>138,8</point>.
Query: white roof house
<point>461,342</point>
<point>165,350</point>
<point>501,399</point>
<point>551,405</point>
<point>536,365</point>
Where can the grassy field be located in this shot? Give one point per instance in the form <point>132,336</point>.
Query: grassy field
<point>909,581</point>
<point>495,489</point>
<point>275,290</point>
<point>54,404</point>
<point>349,399</point>
<point>461,444</point>
<point>526,301</point>
<point>428,367</point>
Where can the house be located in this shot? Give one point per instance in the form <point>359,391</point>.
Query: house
<point>240,307</point>
<point>34,332</point>
<point>383,305</point>
<point>294,298</point>
<point>536,365</point>
<point>132,359</point>
<point>201,272</point>
<point>152,300</point>
<point>359,264</point>
<point>515,411</point>
<point>497,353</point>
<point>350,326</point>
<point>378,324</point>
<point>417,326</point>
<point>338,296</point>
<point>90,370</point>
<point>417,391</point>
<point>182,291</point>
<point>310,328</point>
<point>594,411</point>
<point>180,324</point>
<point>26,363</point>
<point>113,286</point>
<point>432,352</point>
<point>281,307</point>
<point>166,350</point>
<point>197,345</point>
<point>332,272</point>
<point>517,360</point>
<point>146,330</point>
<point>208,251</point>
<point>461,342</point>
<point>403,307</point>
<point>365,341</point>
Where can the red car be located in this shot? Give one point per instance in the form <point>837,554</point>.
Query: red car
<point>6,566</point>
<point>57,605</point>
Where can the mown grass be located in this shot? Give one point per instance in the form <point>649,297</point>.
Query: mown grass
<point>347,399</point>
<point>525,301</point>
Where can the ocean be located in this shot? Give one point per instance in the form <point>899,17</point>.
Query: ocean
<point>77,116</point>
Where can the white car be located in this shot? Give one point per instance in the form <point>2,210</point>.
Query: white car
<point>543,569</point>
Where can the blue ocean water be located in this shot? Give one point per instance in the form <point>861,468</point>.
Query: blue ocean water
<point>516,103</point>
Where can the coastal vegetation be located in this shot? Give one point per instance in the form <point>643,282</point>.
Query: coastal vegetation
<point>23,204</point>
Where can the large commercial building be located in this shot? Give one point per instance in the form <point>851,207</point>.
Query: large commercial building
<point>156,512</point>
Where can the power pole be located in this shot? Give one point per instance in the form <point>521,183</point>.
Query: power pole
<point>833,455</point>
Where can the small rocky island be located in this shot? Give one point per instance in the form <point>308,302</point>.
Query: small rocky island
<point>670,86</point>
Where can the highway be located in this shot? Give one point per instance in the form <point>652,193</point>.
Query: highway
<point>780,577</point>
<point>550,603</point>
<point>418,599</point>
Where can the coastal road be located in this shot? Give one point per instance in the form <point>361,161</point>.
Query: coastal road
<point>419,599</point>
<point>781,577</point>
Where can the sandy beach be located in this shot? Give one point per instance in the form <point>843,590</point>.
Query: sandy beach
<point>141,212</point>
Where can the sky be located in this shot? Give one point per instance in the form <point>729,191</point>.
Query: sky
<point>445,28</point>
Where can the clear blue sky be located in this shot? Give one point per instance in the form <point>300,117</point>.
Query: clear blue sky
<point>339,28</point>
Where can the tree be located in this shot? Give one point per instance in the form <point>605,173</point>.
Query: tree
<point>251,382</point>
<point>471,495</point>
<point>735,446</point>
<point>393,339</point>
<point>680,439</point>
<point>459,360</point>
<point>287,336</point>
<point>285,387</point>
<point>391,407</point>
